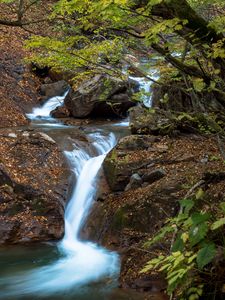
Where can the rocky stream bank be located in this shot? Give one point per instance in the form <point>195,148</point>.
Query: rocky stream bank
<point>146,175</point>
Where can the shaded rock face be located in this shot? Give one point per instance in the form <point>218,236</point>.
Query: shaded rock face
<point>124,220</point>
<point>102,96</point>
<point>178,100</point>
<point>33,187</point>
<point>162,122</point>
<point>157,122</point>
<point>49,90</point>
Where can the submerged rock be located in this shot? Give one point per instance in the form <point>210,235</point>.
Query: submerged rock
<point>101,96</point>
<point>33,187</point>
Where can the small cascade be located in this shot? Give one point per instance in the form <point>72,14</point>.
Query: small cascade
<point>145,86</point>
<point>144,83</point>
<point>44,111</point>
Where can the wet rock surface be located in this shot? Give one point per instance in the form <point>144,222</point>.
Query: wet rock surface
<point>102,96</point>
<point>60,112</point>
<point>34,182</point>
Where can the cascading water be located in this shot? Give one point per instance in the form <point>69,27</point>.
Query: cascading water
<point>144,83</point>
<point>145,86</point>
<point>45,110</point>
<point>80,262</point>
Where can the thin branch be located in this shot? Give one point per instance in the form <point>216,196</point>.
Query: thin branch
<point>19,23</point>
<point>136,35</point>
<point>20,11</point>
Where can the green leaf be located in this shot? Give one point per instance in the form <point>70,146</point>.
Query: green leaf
<point>187,205</point>
<point>159,236</point>
<point>218,224</point>
<point>200,194</point>
<point>179,244</point>
<point>198,233</point>
<point>198,218</point>
<point>222,206</point>
<point>198,84</point>
<point>206,255</point>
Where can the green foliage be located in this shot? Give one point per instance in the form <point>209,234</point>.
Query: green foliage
<point>7,1</point>
<point>195,235</point>
<point>165,26</point>
<point>93,37</point>
<point>205,255</point>
<point>63,56</point>
<point>198,84</point>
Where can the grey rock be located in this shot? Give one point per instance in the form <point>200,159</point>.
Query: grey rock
<point>49,90</point>
<point>101,96</point>
<point>153,176</point>
<point>135,182</point>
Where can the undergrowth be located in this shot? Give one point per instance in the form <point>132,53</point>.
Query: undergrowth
<point>194,266</point>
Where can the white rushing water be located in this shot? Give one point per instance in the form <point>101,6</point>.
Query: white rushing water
<point>145,86</point>
<point>81,262</point>
<point>45,110</point>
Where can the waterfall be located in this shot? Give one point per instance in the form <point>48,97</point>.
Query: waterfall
<point>85,189</point>
<point>80,262</point>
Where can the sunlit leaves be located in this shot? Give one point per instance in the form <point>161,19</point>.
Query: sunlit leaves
<point>62,55</point>
<point>165,26</point>
<point>198,84</point>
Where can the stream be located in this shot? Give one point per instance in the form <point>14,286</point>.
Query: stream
<point>71,268</point>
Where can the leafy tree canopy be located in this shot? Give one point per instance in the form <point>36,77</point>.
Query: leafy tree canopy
<point>93,36</point>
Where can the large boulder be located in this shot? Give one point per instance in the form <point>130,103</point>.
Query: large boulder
<point>33,187</point>
<point>154,122</point>
<point>101,96</point>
